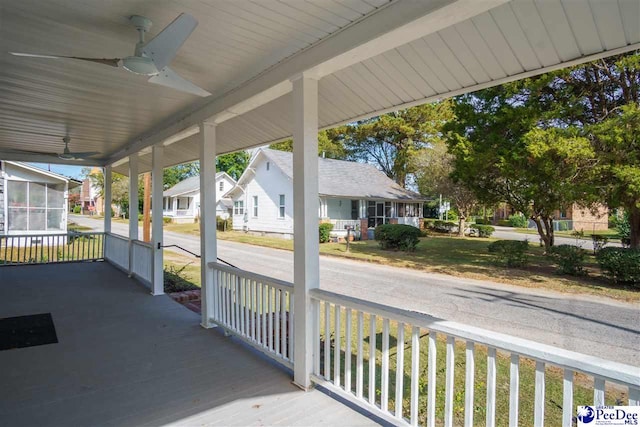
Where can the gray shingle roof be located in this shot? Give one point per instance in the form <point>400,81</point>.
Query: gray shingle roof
<point>347,179</point>
<point>186,186</point>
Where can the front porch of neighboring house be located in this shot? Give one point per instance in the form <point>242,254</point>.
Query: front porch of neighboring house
<point>365,215</point>
<point>181,209</point>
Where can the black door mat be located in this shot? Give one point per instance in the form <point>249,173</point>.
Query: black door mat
<point>27,331</point>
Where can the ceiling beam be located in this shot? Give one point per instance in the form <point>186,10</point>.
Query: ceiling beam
<point>44,158</point>
<point>394,25</point>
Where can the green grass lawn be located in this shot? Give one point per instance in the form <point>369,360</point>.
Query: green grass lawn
<point>583,385</point>
<point>611,233</point>
<point>462,257</point>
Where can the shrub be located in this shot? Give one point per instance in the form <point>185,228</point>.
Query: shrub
<point>77,209</point>
<point>224,224</point>
<point>504,223</point>
<point>620,264</point>
<point>511,253</point>
<point>518,221</point>
<point>483,230</point>
<point>325,229</point>
<point>563,225</point>
<point>429,223</point>
<point>443,226</point>
<point>175,280</point>
<point>166,219</point>
<point>570,259</point>
<point>140,217</point>
<point>483,221</point>
<point>599,242</point>
<point>397,237</point>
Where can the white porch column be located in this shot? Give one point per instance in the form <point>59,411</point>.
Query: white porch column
<point>157,285</point>
<point>133,206</point>
<point>306,248</point>
<point>208,238</point>
<point>108,181</point>
<point>133,197</point>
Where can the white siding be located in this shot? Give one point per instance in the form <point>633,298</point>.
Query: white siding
<point>267,185</point>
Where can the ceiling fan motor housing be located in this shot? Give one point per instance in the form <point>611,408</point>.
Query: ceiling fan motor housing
<point>140,65</point>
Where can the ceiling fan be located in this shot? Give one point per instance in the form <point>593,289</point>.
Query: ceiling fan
<point>152,58</point>
<point>65,155</point>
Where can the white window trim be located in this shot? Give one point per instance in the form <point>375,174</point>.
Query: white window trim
<point>254,206</point>
<point>282,206</point>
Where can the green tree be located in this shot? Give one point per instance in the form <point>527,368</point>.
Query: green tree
<point>330,144</point>
<point>616,177</point>
<point>392,141</point>
<point>233,164</point>
<point>434,167</point>
<point>174,174</point>
<point>503,153</point>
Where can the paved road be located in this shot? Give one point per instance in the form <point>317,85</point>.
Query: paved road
<point>602,328</point>
<point>508,233</point>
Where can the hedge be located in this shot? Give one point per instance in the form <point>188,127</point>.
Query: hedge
<point>570,259</point>
<point>324,231</point>
<point>483,230</point>
<point>622,265</point>
<point>397,236</point>
<point>511,253</point>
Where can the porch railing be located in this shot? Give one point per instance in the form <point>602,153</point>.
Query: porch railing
<point>255,308</point>
<point>142,261</point>
<point>342,224</point>
<point>356,342</point>
<point>116,250</point>
<point>51,248</point>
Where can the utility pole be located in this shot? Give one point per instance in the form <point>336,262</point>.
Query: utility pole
<point>146,208</point>
<point>440,208</point>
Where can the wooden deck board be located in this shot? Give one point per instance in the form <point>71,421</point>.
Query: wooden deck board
<point>125,358</point>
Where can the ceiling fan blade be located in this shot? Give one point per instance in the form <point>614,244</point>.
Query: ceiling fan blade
<point>113,62</point>
<point>40,153</point>
<point>170,78</point>
<point>84,153</point>
<point>163,47</point>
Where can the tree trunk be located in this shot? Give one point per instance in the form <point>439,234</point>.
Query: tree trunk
<point>634,222</point>
<point>544,225</point>
<point>461,226</point>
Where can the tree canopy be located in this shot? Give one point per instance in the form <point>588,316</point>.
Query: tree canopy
<point>543,143</point>
<point>330,144</point>
<point>233,164</point>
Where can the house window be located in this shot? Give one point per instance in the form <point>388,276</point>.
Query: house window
<point>255,206</point>
<point>34,206</point>
<point>183,203</point>
<point>221,187</point>
<point>238,207</point>
<point>281,207</point>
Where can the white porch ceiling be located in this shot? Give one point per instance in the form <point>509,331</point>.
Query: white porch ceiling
<point>438,48</point>
<point>105,108</point>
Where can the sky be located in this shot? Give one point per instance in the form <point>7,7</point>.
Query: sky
<point>66,170</point>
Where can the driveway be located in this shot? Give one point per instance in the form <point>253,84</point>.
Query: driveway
<point>596,326</point>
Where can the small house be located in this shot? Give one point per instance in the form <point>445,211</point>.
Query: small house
<point>181,202</point>
<point>352,195</point>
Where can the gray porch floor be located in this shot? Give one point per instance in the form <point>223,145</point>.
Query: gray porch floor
<point>126,358</point>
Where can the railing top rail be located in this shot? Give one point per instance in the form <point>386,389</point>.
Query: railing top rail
<point>117,236</point>
<point>614,371</point>
<point>68,233</point>
<point>142,243</point>
<point>253,276</point>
